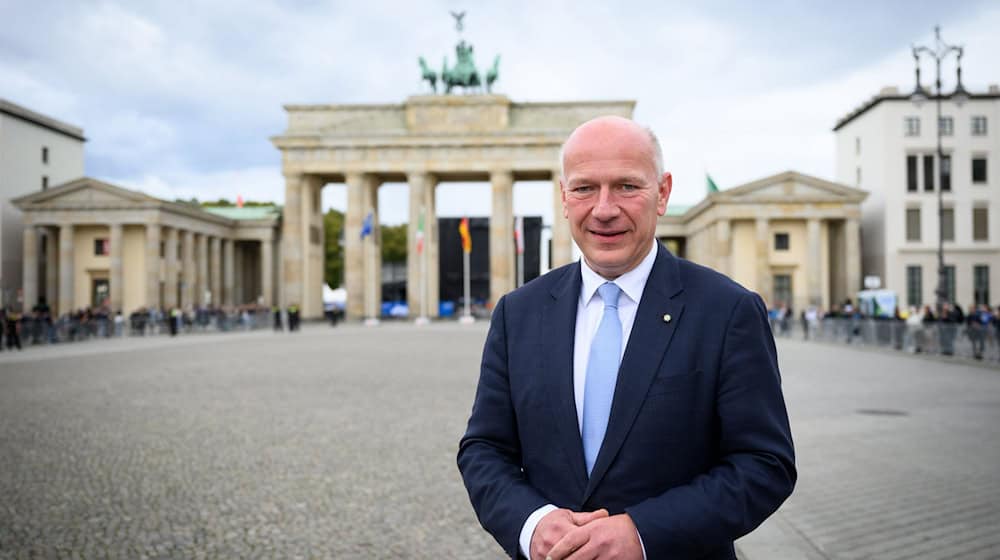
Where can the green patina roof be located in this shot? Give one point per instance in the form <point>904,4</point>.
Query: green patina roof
<point>245,213</point>
<point>677,209</point>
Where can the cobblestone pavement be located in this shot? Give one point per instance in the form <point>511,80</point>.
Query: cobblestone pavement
<point>898,457</point>
<point>340,443</point>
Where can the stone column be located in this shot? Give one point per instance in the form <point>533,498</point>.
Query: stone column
<point>66,286</point>
<point>188,270</point>
<point>228,272</point>
<point>117,278</point>
<point>215,255</point>
<point>723,246</point>
<point>292,254</point>
<point>266,271</point>
<point>52,268</point>
<point>29,277</point>
<point>562,240</point>
<point>422,290</point>
<point>764,260</point>
<point>416,287</point>
<point>852,268</point>
<point>170,279</point>
<point>354,261</point>
<point>153,266</point>
<point>202,284</point>
<point>814,262</point>
<point>501,235</point>
<point>372,251</point>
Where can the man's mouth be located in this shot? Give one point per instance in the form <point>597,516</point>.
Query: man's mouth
<point>606,234</point>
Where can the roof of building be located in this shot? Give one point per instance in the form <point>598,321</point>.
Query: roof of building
<point>25,114</point>
<point>244,213</point>
<point>892,94</point>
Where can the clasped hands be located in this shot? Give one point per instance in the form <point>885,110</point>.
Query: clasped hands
<point>570,535</point>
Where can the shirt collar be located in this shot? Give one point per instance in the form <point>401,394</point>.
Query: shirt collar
<point>632,282</point>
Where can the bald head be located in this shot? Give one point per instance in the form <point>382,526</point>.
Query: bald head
<point>614,130</point>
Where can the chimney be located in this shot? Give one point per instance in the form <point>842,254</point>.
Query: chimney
<point>889,90</point>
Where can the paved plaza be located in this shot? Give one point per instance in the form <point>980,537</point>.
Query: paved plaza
<point>340,443</point>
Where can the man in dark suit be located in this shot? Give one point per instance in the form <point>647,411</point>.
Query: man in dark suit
<point>629,405</point>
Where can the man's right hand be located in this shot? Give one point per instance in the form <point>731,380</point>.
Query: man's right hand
<point>554,526</point>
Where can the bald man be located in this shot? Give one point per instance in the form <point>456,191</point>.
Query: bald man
<point>629,404</point>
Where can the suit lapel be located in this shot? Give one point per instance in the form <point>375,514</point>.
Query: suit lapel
<point>558,328</point>
<point>647,345</point>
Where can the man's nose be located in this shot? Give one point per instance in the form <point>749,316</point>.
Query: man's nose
<point>606,206</point>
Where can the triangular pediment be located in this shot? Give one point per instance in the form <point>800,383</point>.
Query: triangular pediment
<point>84,192</point>
<point>791,186</point>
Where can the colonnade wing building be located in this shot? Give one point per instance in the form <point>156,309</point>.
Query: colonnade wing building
<point>89,243</point>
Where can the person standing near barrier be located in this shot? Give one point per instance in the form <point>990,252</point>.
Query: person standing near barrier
<point>977,321</point>
<point>12,321</point>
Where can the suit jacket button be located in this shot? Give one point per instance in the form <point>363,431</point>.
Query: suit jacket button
<point>666,318</point>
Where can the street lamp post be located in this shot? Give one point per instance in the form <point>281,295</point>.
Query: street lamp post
<point>940,51</point>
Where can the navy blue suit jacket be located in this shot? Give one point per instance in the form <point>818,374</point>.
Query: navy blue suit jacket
<point>698,450</point>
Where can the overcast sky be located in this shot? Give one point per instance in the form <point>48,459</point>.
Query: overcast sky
<point>179,99</point>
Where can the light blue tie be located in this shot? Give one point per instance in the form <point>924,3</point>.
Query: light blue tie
<point>602,374</point>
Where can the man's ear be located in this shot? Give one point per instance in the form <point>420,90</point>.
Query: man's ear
<point>663,193</point>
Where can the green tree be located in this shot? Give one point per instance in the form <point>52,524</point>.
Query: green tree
<point>394,243</point>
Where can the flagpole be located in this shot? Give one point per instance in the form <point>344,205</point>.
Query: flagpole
<point>520,269</point>
<point>467,317</point>
<point>372,319</point>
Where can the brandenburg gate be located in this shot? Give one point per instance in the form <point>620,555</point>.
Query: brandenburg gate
<point>424,141</point>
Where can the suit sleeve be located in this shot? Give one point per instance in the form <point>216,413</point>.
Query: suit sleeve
<point>755,470</point>
<point>489,454</point>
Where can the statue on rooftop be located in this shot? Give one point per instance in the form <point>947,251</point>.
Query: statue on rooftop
<point>464,73</point>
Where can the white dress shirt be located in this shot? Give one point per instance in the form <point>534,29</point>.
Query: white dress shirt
<point>590,309</point>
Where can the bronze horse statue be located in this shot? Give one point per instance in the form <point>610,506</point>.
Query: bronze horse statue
<point>492,74</point>
<point>427,74</point>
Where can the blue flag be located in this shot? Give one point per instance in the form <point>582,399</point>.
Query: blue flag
<point>366,226</point>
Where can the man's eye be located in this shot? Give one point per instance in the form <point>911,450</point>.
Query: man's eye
<point>583,189</point>
<point>629,187</point>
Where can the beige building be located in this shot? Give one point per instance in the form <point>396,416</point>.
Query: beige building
<point>36,151</point>
<point>89,243</point>
<point>792,238</point>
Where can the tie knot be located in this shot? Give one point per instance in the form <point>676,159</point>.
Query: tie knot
<point>609,293</point>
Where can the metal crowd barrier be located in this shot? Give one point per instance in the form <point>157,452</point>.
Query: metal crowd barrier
<point>948,339</point>
<point>36,331</point>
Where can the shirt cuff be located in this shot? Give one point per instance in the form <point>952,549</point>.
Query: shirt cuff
<point>528,529</point>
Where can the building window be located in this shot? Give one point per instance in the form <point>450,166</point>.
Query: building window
<point>781,242</point>
<point>913,224</point>
<point>946,173</point>
<point>911,126</point>
<point>783,288</point>
<point>857,145</point>
<point>946,126</point>
<point>928,173</point>
<point>101,248</point>
<point>914,286</point>
<point>911,173</point>
<point>948,224</point>
<point>981,280</point>
<point>980,224</point>
<point>949,282</point>
<point>979,170</point>
<point>45,182</point>
<point>45,154</point>
<point>979,125</point>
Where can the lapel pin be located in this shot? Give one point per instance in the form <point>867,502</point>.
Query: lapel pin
<point>667,318</point>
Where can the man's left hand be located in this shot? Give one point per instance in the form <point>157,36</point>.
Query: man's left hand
<point>613,537</point>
